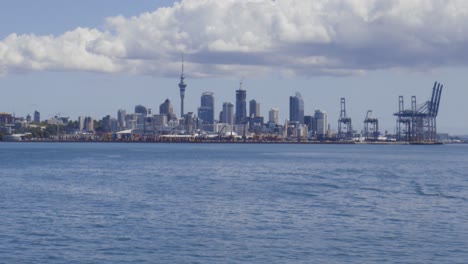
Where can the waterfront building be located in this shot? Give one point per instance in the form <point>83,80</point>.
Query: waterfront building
<point>227,115</point>
<point>37,117</point>
<point>160,120</point>
<point>256,124</point>
<point>296,108</point>
<point>254,109</point>
<point>54,121</point>
<point>121,119</point>
<point>206,109</point>
<point>241,106</point>
<point>321,123</point>
<point>273,115</point>
<point>131,121</point>
<point>189,123</point>
<point>6,118</point>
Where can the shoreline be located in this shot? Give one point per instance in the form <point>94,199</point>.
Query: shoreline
<point>232,142</point>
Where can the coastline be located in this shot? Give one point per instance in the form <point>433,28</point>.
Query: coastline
<point>233,142</point>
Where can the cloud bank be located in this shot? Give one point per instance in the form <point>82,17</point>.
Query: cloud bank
<point>251,37</point>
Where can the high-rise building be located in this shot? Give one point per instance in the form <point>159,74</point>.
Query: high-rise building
<point>114,124</point>
<point>182,86</point>
<point>131,120</point>
<point>37,117</point>
<point>89,124</point>
<point>254,109</point>
<point>309,121</point>
<point>81,123</point>
<point>273,116</point>
<point>241,106</point>
<point>142,113</point>
<point>6,118</point>
<point>106,124</point>
<point>160,120</point>
<point>167,109</point>
<point>206,109</point>
<point>140,109</point>
<point>321,121</point>
<point>227,115</point>
<point>296,109</point>
<point>121,119</point>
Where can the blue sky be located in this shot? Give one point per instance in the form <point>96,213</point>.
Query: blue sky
<point>94,57</point>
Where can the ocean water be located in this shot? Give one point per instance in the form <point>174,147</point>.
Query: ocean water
<point>233,203</point>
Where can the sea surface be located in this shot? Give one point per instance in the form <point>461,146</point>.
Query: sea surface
<point>232,203</point>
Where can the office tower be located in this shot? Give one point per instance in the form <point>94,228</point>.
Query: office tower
<point>206,109</point>
<point>241,105</point>
<point>114,124</point>
<point>227,115</point>
<point>296,109</point>
<point>131,120</point>
<point>140,109</point>
<point>142,113</point>
<point>189,123</point>
<point>321,121</point>
<point>6,118</point>
<point>28,118</point>
<point>121,119</point>
<point>309,121</point>
<point>106,123</point>
<point>37,117</point>
<point>160,120</point>
<point>167,109</point>
<point>81,123</point>
<point>273,115</point>
<point>182,87</point>
<point>89,124</point>
<point>254,109</point>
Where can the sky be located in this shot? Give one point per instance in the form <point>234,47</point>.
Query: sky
<point>91,58</point>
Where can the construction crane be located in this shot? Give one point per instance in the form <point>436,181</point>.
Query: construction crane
<point>371,127</point>
<point>418,123</point>
<point>345,129</point>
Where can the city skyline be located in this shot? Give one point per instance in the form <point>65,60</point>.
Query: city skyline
<point>47,79</point>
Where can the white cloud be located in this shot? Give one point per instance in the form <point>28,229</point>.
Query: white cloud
<point>241,37</point>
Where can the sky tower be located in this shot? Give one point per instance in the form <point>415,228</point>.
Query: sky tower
<point>182,86</point>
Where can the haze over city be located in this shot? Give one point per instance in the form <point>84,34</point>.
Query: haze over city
<point>91,58</point>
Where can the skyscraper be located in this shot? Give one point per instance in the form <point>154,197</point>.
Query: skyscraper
<point>273,115</point>
<point>37,117</point>
<point>206,110</point>
<point>296,108</point>
<point>89,124</point>
<point>309,121</point>
<point>140,109</point>
<point>182,87</point>
<point>141,112</point>
<point>254,109</point>
<point>321,121</point>
<point>81,123</point>
<point>121,119</point>
<point>227,115</point>
<point>167,109</point>
<point>241,105</point>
